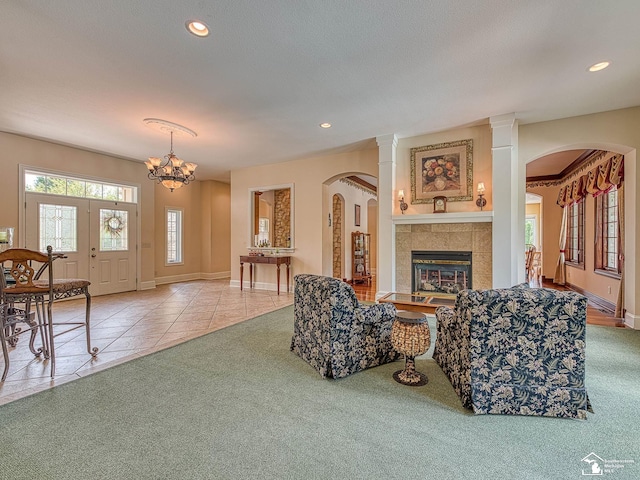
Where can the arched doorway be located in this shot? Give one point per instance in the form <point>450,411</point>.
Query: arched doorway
<point>337,236</point>
<point>581,224</point>
<point>346,209</point>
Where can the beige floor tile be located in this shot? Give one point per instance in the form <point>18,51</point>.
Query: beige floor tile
<point>189,326</point>
<point>195,317</point>
<point>132,343</point>
<point>147,328</point>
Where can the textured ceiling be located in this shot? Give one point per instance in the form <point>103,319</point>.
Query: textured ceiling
<point>87,72</point>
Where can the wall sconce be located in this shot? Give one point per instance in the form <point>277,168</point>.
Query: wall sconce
<point>481,201</point>
<point>403,205</point>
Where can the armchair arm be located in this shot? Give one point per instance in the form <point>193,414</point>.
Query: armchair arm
<point>375,314</point>
<point>445,315</point>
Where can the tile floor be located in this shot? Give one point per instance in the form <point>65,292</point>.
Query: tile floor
<point>129,325</point>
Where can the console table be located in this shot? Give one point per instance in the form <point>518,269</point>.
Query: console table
<point>253,260</point>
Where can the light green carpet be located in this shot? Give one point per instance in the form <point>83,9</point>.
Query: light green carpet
<point>238,404</point>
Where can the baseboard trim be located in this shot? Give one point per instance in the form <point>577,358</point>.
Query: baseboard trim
<point>187,277</point>
<point>599,302</point>
<point>215,275</point>
<point>632,321</point>
<point>150,285</point>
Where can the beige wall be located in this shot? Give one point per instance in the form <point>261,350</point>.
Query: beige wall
<point>206,224</point>
<point>309,177</point>
<point>215,229</point>
<point>17,150</point>
<point>481,136</point>
<point>188,199</point>
<point>617,131</point>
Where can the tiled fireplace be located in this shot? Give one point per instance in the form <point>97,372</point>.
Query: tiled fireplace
<point>440,272</point>
<point>473,238</point>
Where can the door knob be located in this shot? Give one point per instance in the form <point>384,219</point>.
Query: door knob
<point>93,255</point>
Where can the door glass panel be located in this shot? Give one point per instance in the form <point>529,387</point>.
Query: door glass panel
<point>114,230</point>
<point>58,228</point>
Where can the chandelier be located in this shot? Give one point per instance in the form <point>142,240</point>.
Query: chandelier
<point>170,171</point>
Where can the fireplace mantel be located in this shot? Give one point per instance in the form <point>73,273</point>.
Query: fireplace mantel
<point>454,217</point>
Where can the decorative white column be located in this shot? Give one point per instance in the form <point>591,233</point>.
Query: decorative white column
<point>509,178</point>
<point>386,260</point>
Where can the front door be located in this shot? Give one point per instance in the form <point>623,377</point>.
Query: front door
<point>112,240</point>
<point>97,237</point>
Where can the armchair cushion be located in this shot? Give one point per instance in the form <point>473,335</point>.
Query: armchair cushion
<point>334,333</point>
<point>516,351</point>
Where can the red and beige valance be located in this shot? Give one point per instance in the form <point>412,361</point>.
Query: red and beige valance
<point>595,181</point>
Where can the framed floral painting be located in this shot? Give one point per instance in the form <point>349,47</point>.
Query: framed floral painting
<point>444,169</point>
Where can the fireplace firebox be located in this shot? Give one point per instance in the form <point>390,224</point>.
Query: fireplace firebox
<point>440,272</point>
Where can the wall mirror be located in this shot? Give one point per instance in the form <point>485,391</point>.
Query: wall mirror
<point>271,218</point>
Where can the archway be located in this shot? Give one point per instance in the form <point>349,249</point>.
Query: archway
<point>337,236</point>
<point>346,205</point>
<point>582,270</point>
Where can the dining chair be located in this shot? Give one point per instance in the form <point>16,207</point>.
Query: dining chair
<point>22,285</point>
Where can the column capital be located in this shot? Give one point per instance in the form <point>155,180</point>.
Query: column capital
<point>389,140</point>
<point>503,133</point>
<point>506,120</point>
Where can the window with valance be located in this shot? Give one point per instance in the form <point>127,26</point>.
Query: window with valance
<point>596,181</point>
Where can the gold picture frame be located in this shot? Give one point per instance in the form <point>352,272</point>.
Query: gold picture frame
<point>443,169</point>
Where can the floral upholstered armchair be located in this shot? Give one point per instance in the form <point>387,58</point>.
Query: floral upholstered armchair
<point>334,333</point>
<point>518,351</point>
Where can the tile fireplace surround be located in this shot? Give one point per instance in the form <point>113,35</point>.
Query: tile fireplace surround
<point>470,237</point>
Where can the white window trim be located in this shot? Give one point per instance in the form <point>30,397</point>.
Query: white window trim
<point>181,239</point>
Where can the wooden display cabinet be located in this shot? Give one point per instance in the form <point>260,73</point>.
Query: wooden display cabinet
<point>360,257</point>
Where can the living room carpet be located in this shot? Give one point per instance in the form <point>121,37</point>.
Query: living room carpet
<point>237,404</point>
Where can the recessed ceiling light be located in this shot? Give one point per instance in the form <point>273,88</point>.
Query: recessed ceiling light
<point>599,66</point>
<point>325,125</point>
<point>198,28</point>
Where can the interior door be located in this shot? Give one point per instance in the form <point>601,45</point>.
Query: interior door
<point>112,242</point>
<point>98,238</point>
